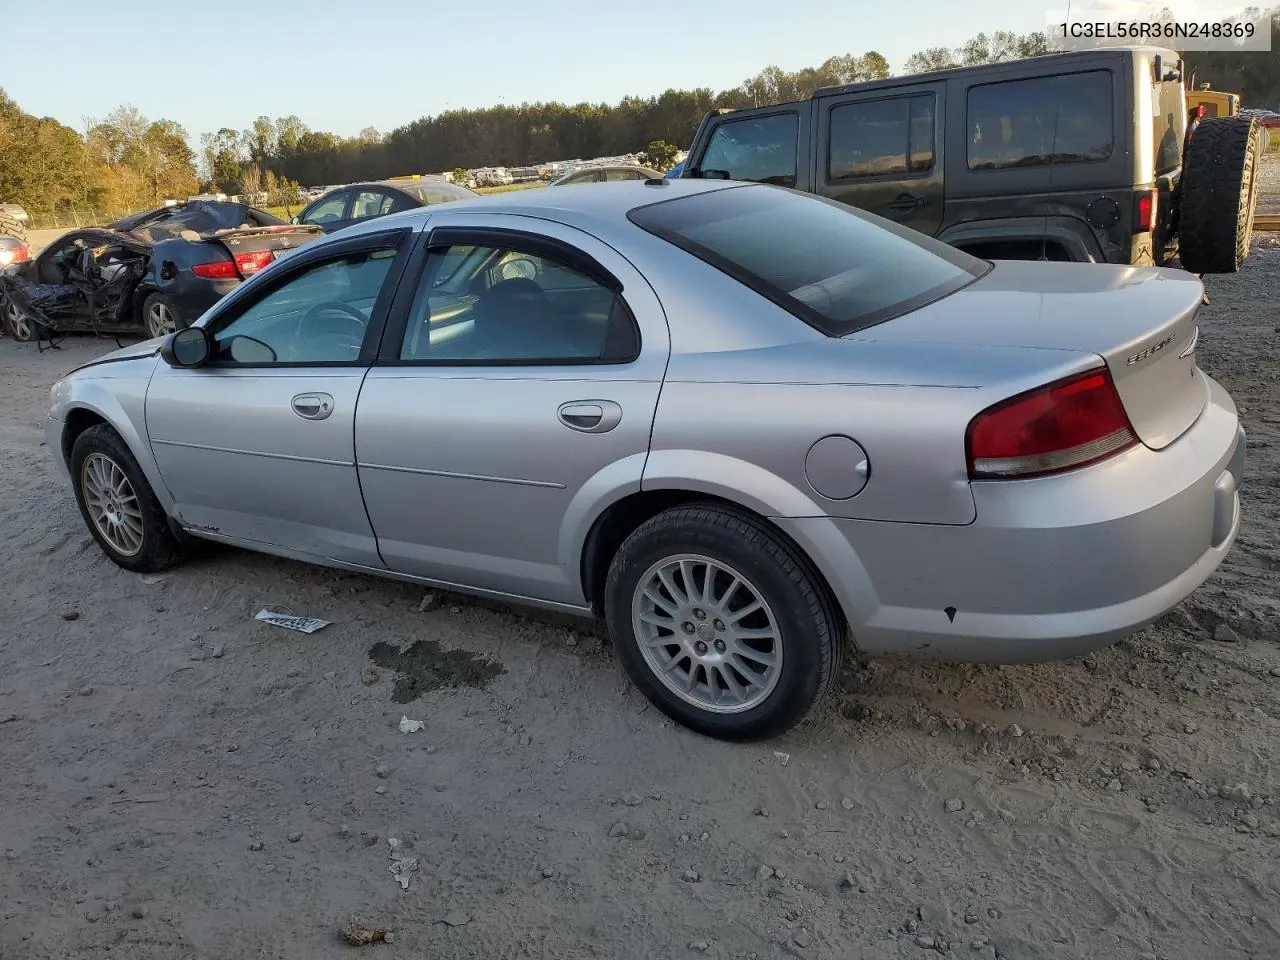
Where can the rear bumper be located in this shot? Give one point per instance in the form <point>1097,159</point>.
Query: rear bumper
<point>1052,567</point>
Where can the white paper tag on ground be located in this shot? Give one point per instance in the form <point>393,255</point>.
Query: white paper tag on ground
<point>302,624</point>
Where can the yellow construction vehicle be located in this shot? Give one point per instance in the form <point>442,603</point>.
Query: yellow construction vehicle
<point>1212,103</point>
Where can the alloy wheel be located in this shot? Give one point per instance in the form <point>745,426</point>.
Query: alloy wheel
<point>707,633</point>
<point>160,320</point>
<point>112,503</point>
<point>17,323</point>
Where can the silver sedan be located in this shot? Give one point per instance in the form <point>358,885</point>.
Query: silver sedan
<point>743,427</point>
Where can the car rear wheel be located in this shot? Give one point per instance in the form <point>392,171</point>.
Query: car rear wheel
<point>721,623</point>
<point>118,505</point>
<point>17,324</point>
<point>160,316</point>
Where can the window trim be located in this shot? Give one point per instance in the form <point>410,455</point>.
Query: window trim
<point>908,173</point>
<point>728,118</point>
<point>968,97</point>
<point>299,263</point>
<point>798,309</point>
<point>518,241</point>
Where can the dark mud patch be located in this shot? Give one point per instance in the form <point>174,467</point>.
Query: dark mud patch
<point>427,666</point>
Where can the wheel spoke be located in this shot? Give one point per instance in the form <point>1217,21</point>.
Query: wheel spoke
<point>677,595</point>
<point>748,610</point>
<point>658,619</point>
<point>723,603</point>
<point>730,682</point>
<point>754,633</point>
<point>755,656</point>
<point>690,584</point>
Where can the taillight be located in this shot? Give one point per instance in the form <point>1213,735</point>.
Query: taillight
<point>252,262</point>
<point>10,255</point>
<point>240,265</point>
<point>1064,425</point>
<point>1145,221</point>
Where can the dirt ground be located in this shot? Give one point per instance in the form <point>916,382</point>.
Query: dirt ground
<point>179,781</point>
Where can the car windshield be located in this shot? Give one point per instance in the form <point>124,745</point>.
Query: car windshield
<point>838,269</point>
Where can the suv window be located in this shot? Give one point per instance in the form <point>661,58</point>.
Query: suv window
<point>317,316</point>
<point>488,305</point>
<point>1169,125</point>
<point>762,149</point>
<point>1042,120</point>
<point>836,268</point>
<point>874,138</point>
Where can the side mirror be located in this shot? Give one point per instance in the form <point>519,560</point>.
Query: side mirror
<point>295,221</point>
<point>189,347</point>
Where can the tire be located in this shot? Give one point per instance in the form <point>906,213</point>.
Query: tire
<point>160,317</point>
<point>807,631</point>
<point>11,226</point>
<point>17,324</point>
<point>99,458</point>
<point>1219,191</point>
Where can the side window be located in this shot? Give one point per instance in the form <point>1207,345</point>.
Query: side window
<point>1040,121</point>
<point>371,203</point>
<point>875,138</point>
<point>762,149</point>
<point>586,176</point>
<point>518,308</point>
<point>327,209</point>
<point>404,201</point>
<point>623,175</point>
<point>318,316</point>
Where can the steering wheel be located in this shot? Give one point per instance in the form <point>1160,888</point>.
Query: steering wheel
<point>336,325</point>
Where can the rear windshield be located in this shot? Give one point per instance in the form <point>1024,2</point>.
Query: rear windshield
<point>838,269</point>
<point>437,193</point>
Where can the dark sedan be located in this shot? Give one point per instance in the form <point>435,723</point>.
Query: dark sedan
<point>152,272</point>
<point>363,201</point>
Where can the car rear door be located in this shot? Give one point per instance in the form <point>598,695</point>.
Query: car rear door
<point>515,388</point>
<point>881,151</point>
<point>257,447</point>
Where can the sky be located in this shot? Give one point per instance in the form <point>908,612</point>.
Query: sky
<point>343,65</point>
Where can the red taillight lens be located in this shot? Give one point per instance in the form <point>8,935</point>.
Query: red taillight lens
<point>252,262</point>
<point>1067,424</point>
<point>240,265</point>
<point>1145,221</point>
<point>218,270</point>
<point>18,254</point>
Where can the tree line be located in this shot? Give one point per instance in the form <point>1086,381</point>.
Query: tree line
<point>125,161</point>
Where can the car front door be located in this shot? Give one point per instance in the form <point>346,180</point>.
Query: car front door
<point>331,212</point>
<point>882,153</point>
<point>369,203</point>
<point>256,445</point>
<point>518,387</point>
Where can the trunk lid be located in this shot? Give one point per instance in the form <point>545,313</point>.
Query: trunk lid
<point>280,240</point>
<point>1140,320</point>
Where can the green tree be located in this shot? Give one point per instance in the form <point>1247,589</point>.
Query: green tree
<point>660,155</point>
<point>934,58</point>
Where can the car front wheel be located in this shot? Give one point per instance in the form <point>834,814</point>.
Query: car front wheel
<point>721,623</point>
<point>118,505</point>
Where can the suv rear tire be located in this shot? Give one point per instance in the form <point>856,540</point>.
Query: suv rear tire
<point>721,623</point>
<point>1219,191</point>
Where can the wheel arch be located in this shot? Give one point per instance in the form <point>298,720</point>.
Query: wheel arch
<point>93,405</point>
<point>734,486</point>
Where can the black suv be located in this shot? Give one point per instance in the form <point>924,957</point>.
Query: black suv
<point>1071,156</point>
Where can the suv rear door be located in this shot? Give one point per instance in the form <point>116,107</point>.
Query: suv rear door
<point>881,151</point>
<point>765,145</point>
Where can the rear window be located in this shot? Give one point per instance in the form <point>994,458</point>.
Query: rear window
<point>762,149</point>
<point>838,269</point>
<point>1042,120</point>
<point>438,193</point>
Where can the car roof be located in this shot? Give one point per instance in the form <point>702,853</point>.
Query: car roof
<point>588,202</point>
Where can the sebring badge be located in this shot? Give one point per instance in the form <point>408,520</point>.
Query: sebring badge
<point>1151,350</point>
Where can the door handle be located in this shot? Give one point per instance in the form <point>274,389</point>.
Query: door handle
<point>313,406</point>
<point>590,416</point>
<point>905,201</point>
